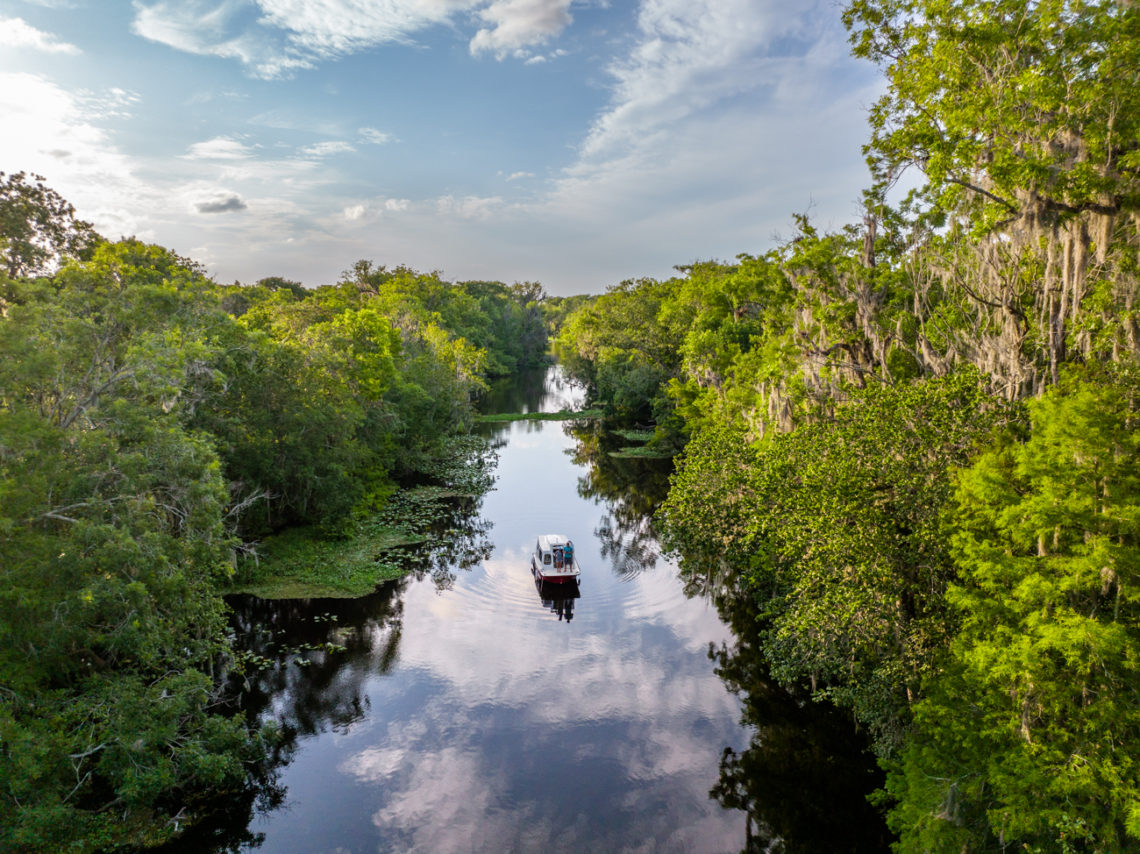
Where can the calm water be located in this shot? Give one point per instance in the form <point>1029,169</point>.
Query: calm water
<point>469,710</point>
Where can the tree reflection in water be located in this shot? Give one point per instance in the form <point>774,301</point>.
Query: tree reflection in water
<point>301,669</point>
<point>804,778</point>
<point>631,489</point>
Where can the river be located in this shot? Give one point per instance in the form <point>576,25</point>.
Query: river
<point>464,709</point>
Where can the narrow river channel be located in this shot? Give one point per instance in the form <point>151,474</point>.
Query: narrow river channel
<point>466,710</point>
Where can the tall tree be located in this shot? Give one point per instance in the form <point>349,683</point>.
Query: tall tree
<point>1024,118</point>
<point>1029,737</point>
<point>38,227</point>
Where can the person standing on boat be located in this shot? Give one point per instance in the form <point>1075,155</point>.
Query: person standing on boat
<point>568,553</point>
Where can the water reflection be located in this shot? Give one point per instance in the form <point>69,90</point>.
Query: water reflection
<point>534,390</point>
<point>804,778</point>
<point>559,598</point>
<point>630,491</point>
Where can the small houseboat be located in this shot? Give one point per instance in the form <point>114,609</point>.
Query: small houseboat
<point>550,561</point>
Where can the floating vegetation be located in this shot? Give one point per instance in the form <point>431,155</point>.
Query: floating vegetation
<point>562,415</point>
<point>641,436</point>
<point>641,452</point>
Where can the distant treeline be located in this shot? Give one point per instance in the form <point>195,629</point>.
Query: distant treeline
<point>153,426</point>
<point>913,443</point>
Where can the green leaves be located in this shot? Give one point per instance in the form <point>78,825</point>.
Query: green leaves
<point>1046,535</point>
<point>38,228</point>
<point>1023,104</point>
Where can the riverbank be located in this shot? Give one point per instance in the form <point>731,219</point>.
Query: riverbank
<point>416,523</point>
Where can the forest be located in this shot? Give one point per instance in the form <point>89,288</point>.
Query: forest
<point>907,448</point>
<point>911,445</point>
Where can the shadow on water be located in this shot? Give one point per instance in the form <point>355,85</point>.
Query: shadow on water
<point>302,668</point>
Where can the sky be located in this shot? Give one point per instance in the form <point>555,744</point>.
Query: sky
<point>576,143</point>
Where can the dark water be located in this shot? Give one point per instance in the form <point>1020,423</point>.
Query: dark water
<point>470,710</point>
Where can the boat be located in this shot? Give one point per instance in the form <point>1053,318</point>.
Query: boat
<point>549,564</point>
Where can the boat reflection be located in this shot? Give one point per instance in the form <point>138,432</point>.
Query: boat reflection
<point>558,598</point>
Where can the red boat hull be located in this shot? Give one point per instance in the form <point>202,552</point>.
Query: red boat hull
<point>556,579</point>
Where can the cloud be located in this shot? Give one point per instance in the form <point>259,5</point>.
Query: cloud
<point>470,207</point>
<point>330,28</point>
<point>363,210</point>
<point>219,148</point>
<point>517,176</point>
<point>211,28</point>
<point>517,24</point>
<point>324,149</point>
<point>16,32</point>
<point>275,38</point>
<point>221,204</point>
<point>61,138</point>
<point>374,136</point>
<point>689,55</point>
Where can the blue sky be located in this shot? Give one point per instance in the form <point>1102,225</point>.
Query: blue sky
<point>572,143</point>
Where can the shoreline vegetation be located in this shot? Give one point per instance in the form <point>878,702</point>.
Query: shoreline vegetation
<point>911,446</point>
<point>417,525</point>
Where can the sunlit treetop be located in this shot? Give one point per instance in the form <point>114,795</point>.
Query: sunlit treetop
<point>1032,106</point>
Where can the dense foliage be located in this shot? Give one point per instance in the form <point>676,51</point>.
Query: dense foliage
<point>910,444</point>
<point>153,426</point>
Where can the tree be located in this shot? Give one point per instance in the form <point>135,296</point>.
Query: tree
<point>38,227</point>
<point>113,544</point>
<point>1024,119</point>
<point>836,530</point>
<point>1030,733</point>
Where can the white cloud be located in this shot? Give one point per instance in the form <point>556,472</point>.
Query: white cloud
<point>16,32</point>
<point>324,149</point>
<point>329,28</point>
<point>517,24</point>
<point>374,136</point>
<point>61,138</point>
<point>283,36</point>
<point>219,148</point>
<point>689,55</point>
<point>470,207</point>
<point>516,176</point>
<point>211,28</point>
<point>366,210</point>
<point>274,38</point>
